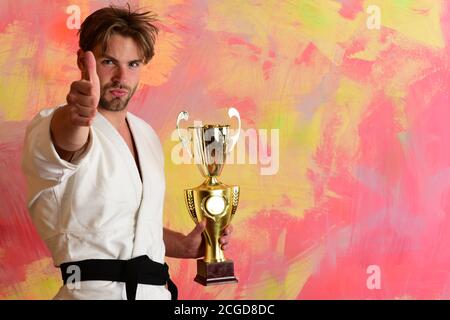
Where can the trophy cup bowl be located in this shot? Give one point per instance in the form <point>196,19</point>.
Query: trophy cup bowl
<point>212,201</point>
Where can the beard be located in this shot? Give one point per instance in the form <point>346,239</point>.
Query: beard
<point>116,103</point>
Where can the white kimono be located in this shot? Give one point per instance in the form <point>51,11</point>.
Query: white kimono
<point>97,207</point>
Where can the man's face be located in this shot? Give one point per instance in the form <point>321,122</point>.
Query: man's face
<point>119,71</point>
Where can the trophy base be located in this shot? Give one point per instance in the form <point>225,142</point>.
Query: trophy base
<point>215,273</point>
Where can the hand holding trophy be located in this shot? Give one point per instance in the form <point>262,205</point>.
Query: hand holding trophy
<point>212,201</point>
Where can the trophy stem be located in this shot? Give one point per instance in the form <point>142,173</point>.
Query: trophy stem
<point>214,252</point>
<point>211,181</point>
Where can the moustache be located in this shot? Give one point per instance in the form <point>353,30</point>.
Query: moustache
<point>116,86</point>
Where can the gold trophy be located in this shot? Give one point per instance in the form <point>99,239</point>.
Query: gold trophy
<point>212,201</point>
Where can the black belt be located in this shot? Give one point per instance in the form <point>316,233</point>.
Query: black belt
<point>137,270</point>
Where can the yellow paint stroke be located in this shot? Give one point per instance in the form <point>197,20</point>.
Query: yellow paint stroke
<point>15,79</point>
<point>417,20</point>
<point>351,100</point>
<point>300,269</point>
<point>167,45</point>
<point>164,61</point>
<point>285,23</point>
<point>42,281</point>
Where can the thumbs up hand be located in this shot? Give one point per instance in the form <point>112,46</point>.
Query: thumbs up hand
<point>84,94</point>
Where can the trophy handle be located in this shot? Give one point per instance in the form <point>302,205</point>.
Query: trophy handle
<point>183,115</point>
<point>232,112</point>
<point>235,200</point>
<point>191,205</point>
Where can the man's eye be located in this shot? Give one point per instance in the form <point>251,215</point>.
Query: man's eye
<point>134,64</point>
<point>107,62</point>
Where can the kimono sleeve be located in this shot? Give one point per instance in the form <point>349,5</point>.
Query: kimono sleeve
<point>41,163</point>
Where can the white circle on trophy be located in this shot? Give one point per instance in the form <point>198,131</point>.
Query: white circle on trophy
<point>215,205</point>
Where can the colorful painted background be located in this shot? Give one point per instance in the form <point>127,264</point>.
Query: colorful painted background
<point>364,126</point>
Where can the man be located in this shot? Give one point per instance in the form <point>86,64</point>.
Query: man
<point>95,172</point>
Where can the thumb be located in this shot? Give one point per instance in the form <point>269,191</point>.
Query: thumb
<point>90,68</point>
<point>199,228</point>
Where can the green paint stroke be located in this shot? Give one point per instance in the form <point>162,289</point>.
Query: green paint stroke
<point>314,16</point>
<point>403,4</point>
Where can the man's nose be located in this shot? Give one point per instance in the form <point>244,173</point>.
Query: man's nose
<point>120,75</point>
